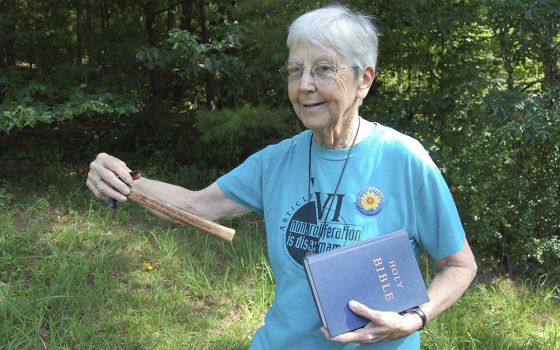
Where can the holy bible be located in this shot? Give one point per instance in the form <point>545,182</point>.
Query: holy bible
<point>381,273</point>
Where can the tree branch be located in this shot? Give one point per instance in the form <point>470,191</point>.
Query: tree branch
<point>529,84</point>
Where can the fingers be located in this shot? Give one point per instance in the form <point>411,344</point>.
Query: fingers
<point>364,311</point>
<point>114,166</point>
<point>343,338</point>
<point>362,336</point>
<point>90,183</point>
<point>325,333</point>
<point>108,178</point>
<point>366,335</point>
<point>382,326</point>
<point>104,191</point>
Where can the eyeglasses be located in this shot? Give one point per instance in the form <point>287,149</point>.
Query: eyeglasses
<point>321,70</point>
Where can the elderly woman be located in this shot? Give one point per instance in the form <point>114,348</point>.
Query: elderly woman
<point>321,176</point>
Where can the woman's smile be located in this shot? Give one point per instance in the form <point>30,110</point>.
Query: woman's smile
<point>313,106</point>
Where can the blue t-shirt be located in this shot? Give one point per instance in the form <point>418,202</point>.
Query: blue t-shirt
<point>389,183</point>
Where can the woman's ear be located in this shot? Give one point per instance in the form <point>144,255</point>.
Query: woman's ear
<point>367,80</point>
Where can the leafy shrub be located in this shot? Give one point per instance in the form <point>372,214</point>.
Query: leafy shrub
<point>45,99</point>
<point>506,181</point>
<point>229,136</point>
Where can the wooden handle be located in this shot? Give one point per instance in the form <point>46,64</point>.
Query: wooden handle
<point>182,215</point>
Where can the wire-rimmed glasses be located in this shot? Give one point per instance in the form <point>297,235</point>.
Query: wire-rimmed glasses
<point>321,70</point>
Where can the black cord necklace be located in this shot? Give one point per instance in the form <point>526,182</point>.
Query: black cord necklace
<point>341,173</point>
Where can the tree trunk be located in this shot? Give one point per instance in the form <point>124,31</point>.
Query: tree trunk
<point>170,14</point>
<point>204,24</point>
<point>103,17</point>
<point>550,55</point>
<point>505,50</point>
<point>90,33</point>
<point>209,80</point>
<point>155,89</point>
<point>33,28</point>
<point>8,39</point>
<point>79,38</point>
<point>186,15</point>
<point>3,10</point>
<point>150,24</point>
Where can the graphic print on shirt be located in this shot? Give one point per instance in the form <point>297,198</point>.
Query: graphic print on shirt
<point>317,226</point>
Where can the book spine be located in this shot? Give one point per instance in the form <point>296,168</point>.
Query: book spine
<point>314,291</point>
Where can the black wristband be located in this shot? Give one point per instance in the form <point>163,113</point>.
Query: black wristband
<point>421,314</point>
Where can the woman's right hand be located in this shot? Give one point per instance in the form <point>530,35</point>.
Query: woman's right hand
<point>109,177</point>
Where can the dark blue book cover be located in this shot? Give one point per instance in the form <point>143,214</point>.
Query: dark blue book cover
<point>381,273</point>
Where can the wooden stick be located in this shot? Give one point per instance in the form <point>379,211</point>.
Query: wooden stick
<point>182,215</point>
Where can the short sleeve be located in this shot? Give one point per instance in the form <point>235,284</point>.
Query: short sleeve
<point>439,226</point>
<point>243,184</point>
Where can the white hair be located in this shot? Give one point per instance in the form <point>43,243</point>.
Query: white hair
<point>351,34</point>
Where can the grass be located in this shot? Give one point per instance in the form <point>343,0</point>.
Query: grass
<point>87,278</point>
<point>74,275</point>
<point>499,314</point>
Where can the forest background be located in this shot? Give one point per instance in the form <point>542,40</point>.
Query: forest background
<point>188,89</point>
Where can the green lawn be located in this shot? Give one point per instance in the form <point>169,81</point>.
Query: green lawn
<point>74,275</point>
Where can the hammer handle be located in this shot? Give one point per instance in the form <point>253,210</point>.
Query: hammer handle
<point>182,215</point>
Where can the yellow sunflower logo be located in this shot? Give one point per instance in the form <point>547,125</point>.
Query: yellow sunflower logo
<point>370,201</point>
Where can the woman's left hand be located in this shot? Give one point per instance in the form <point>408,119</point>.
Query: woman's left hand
<point>383,326</point>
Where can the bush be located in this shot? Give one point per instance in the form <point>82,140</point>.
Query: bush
<point>229,136</point>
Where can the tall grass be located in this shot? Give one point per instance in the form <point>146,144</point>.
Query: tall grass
<point>74,275</point>
<point>500,314</point>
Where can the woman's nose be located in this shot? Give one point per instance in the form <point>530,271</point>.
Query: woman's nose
<point>307,81</point>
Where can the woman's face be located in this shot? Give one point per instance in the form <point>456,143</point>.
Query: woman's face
<point>323,104</point>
